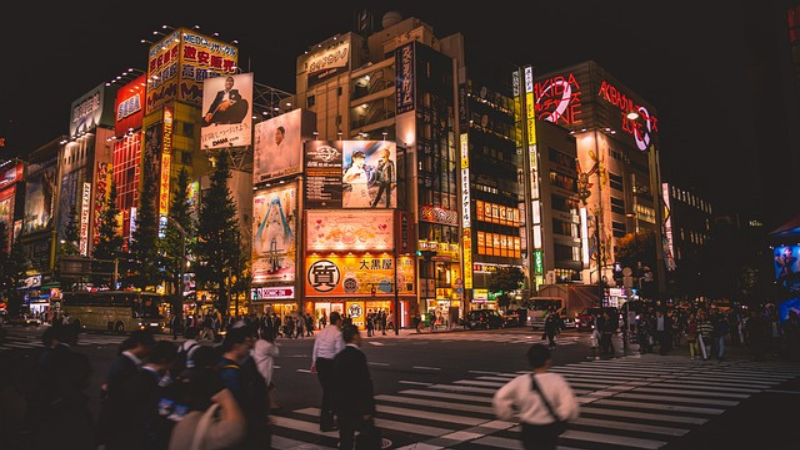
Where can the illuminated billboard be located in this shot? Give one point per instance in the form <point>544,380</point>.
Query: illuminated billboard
<point>357,275</point>
<point>405,78</point>
<point>96,108</point>
<point>67,201</point>
<point>787,266</point>
<point>275,234</point>
<point>349,230</point>
<point>586,96</point>
<point>102,190</point>
<point>227,111</point>
<point>278,149</point>
<point>179,63</point>
<point>129,106</point>
<point>324,65</point>
<point>40,190</point>
<point>323,169</point>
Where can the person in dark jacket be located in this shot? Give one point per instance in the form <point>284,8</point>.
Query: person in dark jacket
<point>354,401</point>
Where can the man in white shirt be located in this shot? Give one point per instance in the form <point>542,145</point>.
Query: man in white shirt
<point>538,424</point>
<point>327,344</point>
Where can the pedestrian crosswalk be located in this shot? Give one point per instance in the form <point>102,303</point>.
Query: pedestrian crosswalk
<point>639,402</point>
<point>21,339</point>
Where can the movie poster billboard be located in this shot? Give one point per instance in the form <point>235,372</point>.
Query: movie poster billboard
<point>349,230</point>
<point>323,168</point>
<point>275,234</point>
<point>357,275</point>
<point>278,147</point>
<point>227,111</point>
<point>67,200</point>
<point>40,187</point>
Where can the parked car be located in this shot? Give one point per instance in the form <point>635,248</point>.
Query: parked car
<point>585,320</point>
<point>25,320</point>
<point>484,319</point>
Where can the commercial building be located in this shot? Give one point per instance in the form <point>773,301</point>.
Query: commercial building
<point>687,224</point>
<point>616,132</point>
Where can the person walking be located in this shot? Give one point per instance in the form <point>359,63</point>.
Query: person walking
<point>327,344</point>
<point>663,332</point>
<point>610,325</point>
<point>691,336</point>
<point>718,334</point>
<point>551,329</point>
<point>264,353</point>
<point>704,332</point>
<point>542,398</point>
<point>354,402</point>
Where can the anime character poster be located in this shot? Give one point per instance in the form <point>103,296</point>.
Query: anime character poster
<point>275,234</point>
<point>369,174</point>
<point>787,266</point>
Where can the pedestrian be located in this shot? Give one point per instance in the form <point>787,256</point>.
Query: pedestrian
<point>389,322</point>
<point>551,329</point>
<point>610,325</point>
<point>691,336</point>
<point>705,330</point>
<point>354,401</point>
<point>309,325</point>
<point>663,329</point>
<point>417,323</point>
<point>542,399</point>
<point>264,353</point>
<point>791,333</point>
<point>327,344</point>
<point>240,374</point>
<point>132,352</point>
<point>370,324</point>
<point>720,331</point>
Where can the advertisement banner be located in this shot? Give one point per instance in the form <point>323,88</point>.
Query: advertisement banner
<point>405,83</point>
<point>11,175</point>
<point>93,109</point>
<point>166,162</point>
<point>86,199</point>
<point>201,58</point>
<point>323,168</point>
<point>67,201</point>
<point>323,66</point>
<point>467,242</point>
<point>272,293</point>
<point>278,147</point>
<point>102,190</point>
<point>356,275</point>
<point>349,230</point>
<point>162,72</point>
<point>369,176</point>
<point>787,266</point>
<point>129,106</point>
<point>7,213</point>
<point>228,111</point>
<point>40,189</point>
<point>275,234</point>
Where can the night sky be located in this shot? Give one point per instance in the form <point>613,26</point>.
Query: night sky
<point>699,65</point>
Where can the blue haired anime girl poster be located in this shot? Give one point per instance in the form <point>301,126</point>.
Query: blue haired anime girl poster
<point>275,229</point>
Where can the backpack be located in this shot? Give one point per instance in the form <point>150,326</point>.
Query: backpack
<point>181,360</point>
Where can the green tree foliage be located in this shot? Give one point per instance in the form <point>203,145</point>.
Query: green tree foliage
<point>217,244</point>
<point>637,249</point>
<point>144,270</point>
<point>175,244</point>
<point>110,242</point>
<point>13,268</point>
<point>506,279</point>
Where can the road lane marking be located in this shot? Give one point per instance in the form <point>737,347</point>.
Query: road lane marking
<point>426,368</point>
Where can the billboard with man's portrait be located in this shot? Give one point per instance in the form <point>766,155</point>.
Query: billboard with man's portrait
<point>275,234</point>
<point>40,187</point>
<point>278,149</point>
<point>227,111</point>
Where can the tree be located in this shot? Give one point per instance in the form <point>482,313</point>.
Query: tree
<point>507,280</point>
<point>13,267</point>
<point>637,249</point>
<point>144,254</point>
<point>217,246</point>
<point>176,246</point>
<point>110,241</point>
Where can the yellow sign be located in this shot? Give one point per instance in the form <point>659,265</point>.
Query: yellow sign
<point>467,240</point>
<point>166,163</point>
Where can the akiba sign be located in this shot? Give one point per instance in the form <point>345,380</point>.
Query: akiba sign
<point>642,128</point>
<point>558,100</point>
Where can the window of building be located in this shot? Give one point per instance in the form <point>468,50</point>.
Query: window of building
<point>615,181</point>
<point>186,158</point>
<point>188,129</point>
<point>618,205</point>
<point>564,252</point>
<point>311,100</point>
<point>618,229</point>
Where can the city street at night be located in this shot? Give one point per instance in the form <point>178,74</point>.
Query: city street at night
<point>434,391</point>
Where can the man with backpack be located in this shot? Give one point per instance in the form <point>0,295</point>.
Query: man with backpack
<point>185,351</point>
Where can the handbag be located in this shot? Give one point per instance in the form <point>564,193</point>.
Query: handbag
<point>369,437</point>
<point>202,427</point>
<point>559,426</point>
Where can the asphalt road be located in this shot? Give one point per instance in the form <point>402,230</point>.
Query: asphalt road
<point>434,391</point>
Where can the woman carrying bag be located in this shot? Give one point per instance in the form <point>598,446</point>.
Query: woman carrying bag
<point>221,426</point>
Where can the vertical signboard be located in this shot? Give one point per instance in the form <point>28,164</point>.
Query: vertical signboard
<point>466,216</point>
<point>162,72</point>
<point>323,163</point>
<point>40,190</point>
<point>405,78</point>
<point>130,106</point>
<point>166,163</point>
<point>86,199</point>
<point>102,189</point>
<point>532,155</point>
<point>227,111</point>
<point>669,253</point>
<point>275,234</point>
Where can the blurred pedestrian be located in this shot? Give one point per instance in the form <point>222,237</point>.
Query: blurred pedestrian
<point>542,399</point>
<point>354,400</point>
<point>327,345</point>
<point>264,353</point>
<point>691,336</point>
<point>551,329</point>
<point>705,330</point>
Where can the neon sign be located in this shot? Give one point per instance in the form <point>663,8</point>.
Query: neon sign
<point>558,100</point>
<point>642,128</point>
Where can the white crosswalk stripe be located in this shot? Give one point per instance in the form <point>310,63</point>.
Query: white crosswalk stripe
<point>632,403</point>
<point>21,339</point>
<point>495,336</point>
